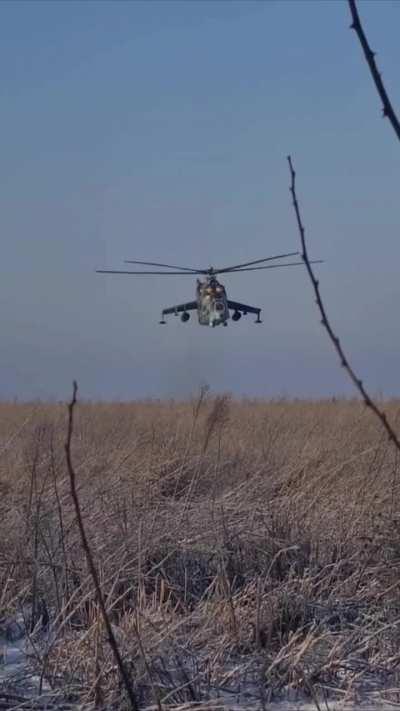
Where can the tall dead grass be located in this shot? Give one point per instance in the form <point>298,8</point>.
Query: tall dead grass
<point>246,550</point>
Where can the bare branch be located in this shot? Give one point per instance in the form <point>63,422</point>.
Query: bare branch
<point>89,557</point>
<point>388,110</point>
<point>326,324</point>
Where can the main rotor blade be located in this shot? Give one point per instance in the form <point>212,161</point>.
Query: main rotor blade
<point>256,261</point>
<point>276,266</point>
<point>169,266</point>
<point>114,271</point>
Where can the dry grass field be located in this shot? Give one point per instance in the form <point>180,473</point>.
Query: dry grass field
<point>248,551</point>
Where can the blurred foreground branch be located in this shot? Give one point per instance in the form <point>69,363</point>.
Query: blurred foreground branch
<point>388,110</point>
<point>326,323</point>
<point>93,572</point>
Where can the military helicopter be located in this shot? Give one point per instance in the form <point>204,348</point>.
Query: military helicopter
<point>211,303</point>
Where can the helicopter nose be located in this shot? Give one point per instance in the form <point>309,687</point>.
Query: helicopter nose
<point>215,318</point>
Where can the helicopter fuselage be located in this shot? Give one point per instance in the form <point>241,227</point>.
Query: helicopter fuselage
<point>212,305</point>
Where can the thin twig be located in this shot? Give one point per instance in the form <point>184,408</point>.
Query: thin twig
<point>326,324</point>
<point>388,111</point>
<point>89,557</point>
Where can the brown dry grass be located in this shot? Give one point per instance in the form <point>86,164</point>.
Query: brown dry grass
<point>244,548</point>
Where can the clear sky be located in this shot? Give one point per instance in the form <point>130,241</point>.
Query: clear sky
<point>159,130</point>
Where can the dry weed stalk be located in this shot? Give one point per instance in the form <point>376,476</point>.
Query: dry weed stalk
<point>387,108</point>
<point>89,557</point>
<point>344,361</point>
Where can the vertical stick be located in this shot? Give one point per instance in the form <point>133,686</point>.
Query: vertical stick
<point>92,569</point>
<point>368,401</point>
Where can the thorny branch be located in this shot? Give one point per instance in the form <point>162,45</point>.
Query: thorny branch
<point>89,557</point>
<point>326,323</point>
<point>388,110</point>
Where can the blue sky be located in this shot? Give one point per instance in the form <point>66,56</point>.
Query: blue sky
<point>159,130</point>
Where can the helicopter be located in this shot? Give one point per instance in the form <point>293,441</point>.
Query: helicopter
<point>211,303</point>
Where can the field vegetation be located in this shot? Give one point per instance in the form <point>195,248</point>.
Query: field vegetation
<point>247,551</point>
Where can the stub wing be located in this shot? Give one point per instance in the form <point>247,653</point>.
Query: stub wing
<point>243,308</point>
<point>180,308</point>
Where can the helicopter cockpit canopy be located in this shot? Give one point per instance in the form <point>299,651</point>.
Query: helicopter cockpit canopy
<point>214,288</point>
